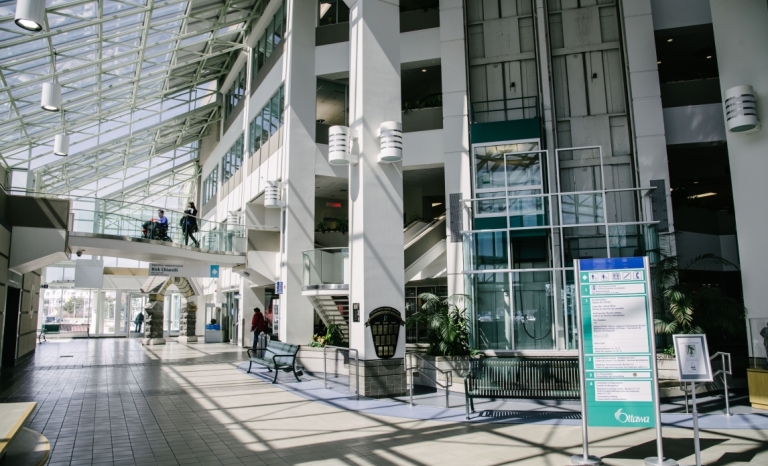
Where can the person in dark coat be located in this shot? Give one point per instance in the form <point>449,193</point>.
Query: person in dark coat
<point>189,224</point>
<point>138,321</point>
<point>258,325</point>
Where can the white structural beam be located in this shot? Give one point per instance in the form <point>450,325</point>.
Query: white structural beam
<point>375,189</point>
<point>741,37</point>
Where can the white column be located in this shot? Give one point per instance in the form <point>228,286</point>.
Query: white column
<point>741,38</point>
<point>645,95</point>
<point>375,190</point>
<point>298,175</point>
<point>455,128</point>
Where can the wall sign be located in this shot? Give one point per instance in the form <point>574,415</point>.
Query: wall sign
<point>279,288</point>
<point>618,342</point>
<point>692,358</point>
<point>184,270</point>
<point>385,325</point>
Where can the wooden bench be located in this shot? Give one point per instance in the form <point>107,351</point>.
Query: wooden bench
<point>277,356</point>
<point>521,378</point>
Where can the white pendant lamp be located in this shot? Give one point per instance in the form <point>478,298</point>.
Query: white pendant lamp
<point>51,98</point>
<point>340,146</point>
<point>741,109</point>
<point>61,145</point>
<point>30,14</point>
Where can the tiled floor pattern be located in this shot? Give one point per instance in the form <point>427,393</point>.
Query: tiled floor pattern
<point>116,402</point>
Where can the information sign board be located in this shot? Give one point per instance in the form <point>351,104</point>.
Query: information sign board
<point>184,270</point>
<point>617,341</point>
<point>692,356</point>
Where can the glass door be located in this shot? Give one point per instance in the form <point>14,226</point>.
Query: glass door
<point>136,302</point>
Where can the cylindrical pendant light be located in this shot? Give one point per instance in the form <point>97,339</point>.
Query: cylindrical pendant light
<point>30,14</point>
<point>391,139</point>
<point>51,98</point>
<point>61,145</point>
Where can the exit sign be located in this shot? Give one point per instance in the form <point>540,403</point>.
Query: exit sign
<point>335,205</point>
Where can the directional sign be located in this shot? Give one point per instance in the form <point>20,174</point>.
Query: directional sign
<point>184,270</point>
<point>617,339</point>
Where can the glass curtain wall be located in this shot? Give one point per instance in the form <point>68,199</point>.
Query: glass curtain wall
<point>525,236</point>
<point>413,304</point>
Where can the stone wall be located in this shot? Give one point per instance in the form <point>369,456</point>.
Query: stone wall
<point>380,378</point>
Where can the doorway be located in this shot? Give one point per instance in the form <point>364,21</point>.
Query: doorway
<point>11,329</point>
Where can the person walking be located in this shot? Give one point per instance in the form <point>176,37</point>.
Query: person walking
<point>138,321</point>
<point>189,224</point>
<point>258,325</point>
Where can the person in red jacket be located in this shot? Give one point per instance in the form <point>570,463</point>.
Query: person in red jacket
<point>258,325</point>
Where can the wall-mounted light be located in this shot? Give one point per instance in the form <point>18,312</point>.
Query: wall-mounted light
<point>391,137</point>
<point>61,145</point>
<point>30,14</point>
<point>741,110</point>
<point>272,195</point>
<point>340,146</point>
<point>50,99</point>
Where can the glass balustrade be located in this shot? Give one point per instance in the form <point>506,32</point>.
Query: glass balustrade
<point>212,236</point>
<point>328,266</point>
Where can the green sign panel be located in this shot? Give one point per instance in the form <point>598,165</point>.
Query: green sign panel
<point>618,339</point>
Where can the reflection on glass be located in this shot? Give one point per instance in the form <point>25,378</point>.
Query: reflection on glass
<point>491,206</point>
<point>489,169</point>
<point>533,294</point>
<point>489,311</point>
<point>523,170</point>
<point>487,250</point>
<point>528,212</point>
<point>580,209</point>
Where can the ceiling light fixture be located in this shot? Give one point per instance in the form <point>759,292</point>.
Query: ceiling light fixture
<point>699,196</point>
<point>51,97</point>
<point>61,145</point>
<point>424,70</point>
<point>30,14</point>
<point>658,62</point>
<point>669,40</point>
<point>709,56</point>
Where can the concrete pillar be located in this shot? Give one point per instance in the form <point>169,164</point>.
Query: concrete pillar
<point>741,37</point>
<point>153,320</point>
<point>187,322</point>
<point>455,129</point>
<point>375,189</point>
<point>298,172</point>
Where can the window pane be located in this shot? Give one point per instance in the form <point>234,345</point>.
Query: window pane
<point>282,106</point>
<point>275,104</point>
<point>270,36</point>
<point>489,311</point>
<point>265,125</point>
<point>327,12</point>
<point>279,24</point>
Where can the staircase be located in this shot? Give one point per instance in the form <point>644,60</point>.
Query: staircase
<point>332,309</point>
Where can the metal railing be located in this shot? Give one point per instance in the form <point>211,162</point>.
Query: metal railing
<point>357,366</point>
<point>517,108</point>
<point>686,386</point>
<point>410,368</point>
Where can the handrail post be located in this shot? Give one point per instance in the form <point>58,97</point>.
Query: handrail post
<point>357,374</point>
<point>725,381</point>
<point>325,371</point>
<point>412,382</point>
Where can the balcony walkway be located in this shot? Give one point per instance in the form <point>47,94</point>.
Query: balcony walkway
<point>113,402</point>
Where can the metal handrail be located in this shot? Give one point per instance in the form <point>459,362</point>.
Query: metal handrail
<point>410,368</point>
<point>473,112</point>
<point>726,373</point>
<point>357,367</point>
<point>685,386</point>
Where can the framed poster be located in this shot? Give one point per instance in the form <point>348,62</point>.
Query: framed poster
<point>692,358</point>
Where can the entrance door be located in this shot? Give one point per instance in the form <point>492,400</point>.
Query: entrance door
<point>136,304</point>
<point>11,329</point>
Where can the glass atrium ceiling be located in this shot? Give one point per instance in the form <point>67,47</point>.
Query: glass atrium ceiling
<point>138,89</point>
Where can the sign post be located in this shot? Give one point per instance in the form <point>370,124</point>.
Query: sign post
<point>693,366</point>
<point>617,349</point>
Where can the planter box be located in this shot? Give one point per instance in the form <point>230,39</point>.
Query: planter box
<point>458,365</point>
<point>757,379</point>
<point>332,239</point>
<point>311,360</point>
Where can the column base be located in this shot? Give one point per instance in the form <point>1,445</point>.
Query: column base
<point>589,461</point>
<point>153,341</point>
<point>186,339</point>
<point>654,461</point>
<point>379,378</point>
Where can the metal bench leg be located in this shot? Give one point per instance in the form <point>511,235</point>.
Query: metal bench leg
<point>296,375</point>
<point>249,366</point>
<point>472,404</point>
<point>276,372</point>
<point>466,406</point>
